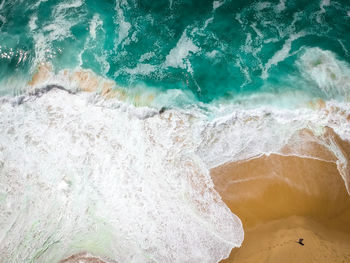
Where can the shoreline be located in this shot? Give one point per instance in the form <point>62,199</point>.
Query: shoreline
<point>310,169</point>
<point>281,199</point>
<point>318,211</point>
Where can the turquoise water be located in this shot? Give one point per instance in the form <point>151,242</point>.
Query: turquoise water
<point>215,50</point>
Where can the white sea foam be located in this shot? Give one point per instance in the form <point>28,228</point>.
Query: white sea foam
<point>146,56</point>
<point>68,4</point>
<point>141,69</point>
<point>124,26</point>
<point>2,4</point>
<point>322,11</point>
<point>217,4</point>
<point>259,6</point>
<point>95,23</point>
<point>102,59</point>
<point>58,29</point>
<point>207,22</point>
<point>95,26</point>
<point>60,26</point>
<point>244,70</point>
<point>343,47</point>
<point>38,3</point>
<point>32,22</point>
<point>281,6</point>
<point>3,20</point>
<point>212,54</point>
<point>239,18</point>
<point>324,3</point>
<point>281,54</point>
<point>177,57</point>
<point>257,31</point>
<point>331,75</point>
<point>94,178</point>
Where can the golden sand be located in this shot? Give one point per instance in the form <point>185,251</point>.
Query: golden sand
<point>283,198</point>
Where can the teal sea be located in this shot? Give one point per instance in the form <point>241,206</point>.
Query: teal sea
<point>113,112</point>
<point>209,49</point>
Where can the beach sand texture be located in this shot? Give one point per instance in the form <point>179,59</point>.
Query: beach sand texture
<point>283,198</point>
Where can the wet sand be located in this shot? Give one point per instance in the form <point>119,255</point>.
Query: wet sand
<point>283,198</point>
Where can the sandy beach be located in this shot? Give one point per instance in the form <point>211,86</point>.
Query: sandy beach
<point>281,199</point>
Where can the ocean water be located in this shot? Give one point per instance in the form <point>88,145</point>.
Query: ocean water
<point>113,112</point>
<point>209,49</point>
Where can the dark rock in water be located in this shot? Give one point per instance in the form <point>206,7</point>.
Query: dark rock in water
<point>40,92</point>
<point>20,100</point>
<point>37,93</point>
<point>162,110</point>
